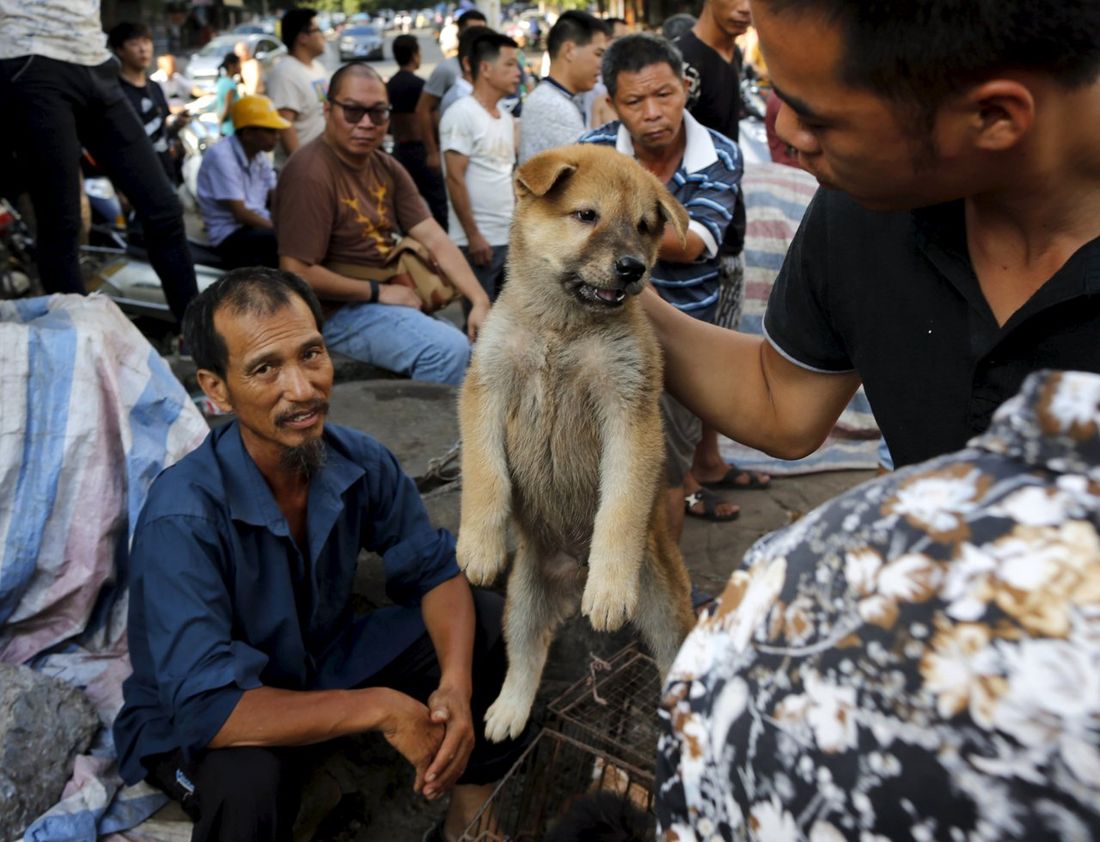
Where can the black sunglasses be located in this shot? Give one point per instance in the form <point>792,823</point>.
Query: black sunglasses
<point>379,114</point>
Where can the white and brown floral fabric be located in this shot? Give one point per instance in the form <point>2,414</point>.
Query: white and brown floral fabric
<point>918,659</point>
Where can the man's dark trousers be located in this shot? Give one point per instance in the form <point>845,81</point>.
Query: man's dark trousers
<point>249,794</point>
<point>53,108</point>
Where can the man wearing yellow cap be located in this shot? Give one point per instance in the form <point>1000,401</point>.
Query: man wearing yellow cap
<point>235,186</point>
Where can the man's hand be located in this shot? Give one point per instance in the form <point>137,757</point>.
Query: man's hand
<point>400,295</point>
<point>476,319</point>
<point>481,253</point>
<point>410,729</point>
<point>450,708</point>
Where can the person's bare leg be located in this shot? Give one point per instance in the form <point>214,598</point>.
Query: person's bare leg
<point>466,800</point>
<point>708,465</point>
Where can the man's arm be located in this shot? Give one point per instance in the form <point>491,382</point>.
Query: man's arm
<point>448,611</point>
<point>743,387</point>
<point>454,266</point>
<point>481,253</point>
<point>332,286</point>
<point>243,215</point>
<point>288,137</point>
<point>268,716</point>
<point>427,114</point>
<point>675,251</point>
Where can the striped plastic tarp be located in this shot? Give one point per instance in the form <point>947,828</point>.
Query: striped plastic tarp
<point>90,414</point>
<point>776,197</point>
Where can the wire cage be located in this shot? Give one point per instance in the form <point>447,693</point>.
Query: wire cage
<point>552,776</point>
<point>614,708</point>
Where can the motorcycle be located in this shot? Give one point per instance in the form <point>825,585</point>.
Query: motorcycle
<point>17,266</point>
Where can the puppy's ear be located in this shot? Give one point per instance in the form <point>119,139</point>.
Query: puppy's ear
<point>673,212</point>
<point>539,175</point>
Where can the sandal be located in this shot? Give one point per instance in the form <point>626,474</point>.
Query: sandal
<point>710,502</point>
<point>756,480</point>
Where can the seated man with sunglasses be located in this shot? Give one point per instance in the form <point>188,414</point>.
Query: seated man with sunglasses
<point>342,201</point>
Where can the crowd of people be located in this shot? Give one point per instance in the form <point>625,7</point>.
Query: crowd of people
<point>919,659</point>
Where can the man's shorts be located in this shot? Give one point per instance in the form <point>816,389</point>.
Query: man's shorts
<point>682,434</point>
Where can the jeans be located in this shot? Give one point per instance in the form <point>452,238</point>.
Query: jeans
<point>490,277</point>
<point>400,339</point>
<point>53,108</point>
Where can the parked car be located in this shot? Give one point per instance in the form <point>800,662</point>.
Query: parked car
<point>361,42</point>
<point>203,67</point>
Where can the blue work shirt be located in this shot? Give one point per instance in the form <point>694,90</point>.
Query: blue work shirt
<point>707,183</point>
<point>223,601</point>
<point>226,175</point>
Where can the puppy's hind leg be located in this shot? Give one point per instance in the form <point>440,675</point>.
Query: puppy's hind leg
<point>664,615</point>
<point>537,603</point>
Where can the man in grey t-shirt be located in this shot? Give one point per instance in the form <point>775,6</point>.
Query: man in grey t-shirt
<point>444,75</point>
<point>553,114</point>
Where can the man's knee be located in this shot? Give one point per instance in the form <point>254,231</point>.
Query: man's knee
<point>445,359</point>
<point>250,787</point>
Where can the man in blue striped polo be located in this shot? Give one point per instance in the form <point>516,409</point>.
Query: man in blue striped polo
<point>644,75</point>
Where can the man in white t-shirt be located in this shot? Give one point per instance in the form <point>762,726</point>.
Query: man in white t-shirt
<point>298,84</point>
<point>478,140</point>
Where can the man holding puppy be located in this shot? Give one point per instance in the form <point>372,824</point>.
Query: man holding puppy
<point>242,636</point>
<point>954,245</point>
<point>702,169</point>
<point>339,209</point>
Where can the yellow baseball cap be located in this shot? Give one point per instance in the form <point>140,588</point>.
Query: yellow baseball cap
<point>258,111</point>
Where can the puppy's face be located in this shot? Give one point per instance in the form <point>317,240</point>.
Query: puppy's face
<point>589,221</point>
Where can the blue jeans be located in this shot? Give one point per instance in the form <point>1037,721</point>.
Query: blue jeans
<point>400,339</point>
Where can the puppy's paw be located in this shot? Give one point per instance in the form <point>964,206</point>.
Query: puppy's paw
<point>480,556</point>
<point>506,718</point>
<point>609,602</point>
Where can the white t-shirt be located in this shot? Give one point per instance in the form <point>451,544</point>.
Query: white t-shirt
<point>301,88</point>
<point>177,88</point>
<point>490,144</point>
<point>65,30</point>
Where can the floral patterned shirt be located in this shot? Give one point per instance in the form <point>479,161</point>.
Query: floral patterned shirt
<point>918,659</point>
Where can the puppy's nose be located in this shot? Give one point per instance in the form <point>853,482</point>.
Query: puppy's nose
<point>629,269</point>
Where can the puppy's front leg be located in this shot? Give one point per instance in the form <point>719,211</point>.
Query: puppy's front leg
<point>630,470</point>
<point>486,488</point>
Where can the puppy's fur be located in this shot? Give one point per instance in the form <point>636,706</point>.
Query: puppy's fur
<point>561,427</point>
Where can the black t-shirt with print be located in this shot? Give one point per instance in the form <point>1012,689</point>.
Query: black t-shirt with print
<point>151,107</point>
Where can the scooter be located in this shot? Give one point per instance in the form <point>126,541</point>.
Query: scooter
<point>17,267</point>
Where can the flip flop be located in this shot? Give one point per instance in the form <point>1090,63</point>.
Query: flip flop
<point>730,480</point>
<point>710,503</point>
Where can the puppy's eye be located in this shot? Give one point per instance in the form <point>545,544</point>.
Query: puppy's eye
<point>587,215</point>
<point>643,227</point>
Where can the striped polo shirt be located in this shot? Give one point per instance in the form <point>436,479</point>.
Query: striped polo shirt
<point>706,183</point>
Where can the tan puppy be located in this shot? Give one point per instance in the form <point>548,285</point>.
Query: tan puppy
<point>561,428</point>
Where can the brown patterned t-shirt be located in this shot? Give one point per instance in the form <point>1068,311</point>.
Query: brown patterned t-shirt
<point>327,211</point>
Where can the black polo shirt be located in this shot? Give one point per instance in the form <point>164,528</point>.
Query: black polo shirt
<point>894,297</point>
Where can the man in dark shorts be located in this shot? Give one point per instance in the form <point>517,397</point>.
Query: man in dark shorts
<point>408,135</point>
